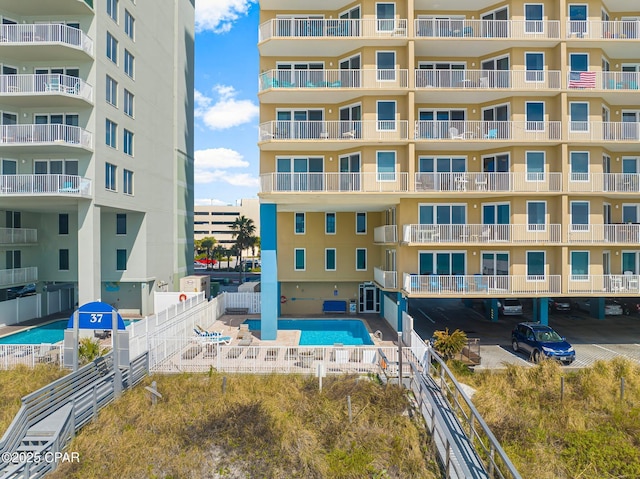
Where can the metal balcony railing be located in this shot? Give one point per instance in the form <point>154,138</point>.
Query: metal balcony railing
<point>18,236</point>
<point>593,80</point>
<point>18,276</point>
<point>332,28</point>
<point>482,234</point>
<point>386,279</point>
<point>603,131</point>
<point>35,134</point>
<point>480,29</point>
<point>280,130</point>
<point>385,234</point>
<point>604,182</point>
<point>45,84</point>
<point>63,185</point>
<point>488,182</point>
<point>351,79</point>
<point>479,285</point>
<point>603,284</point>
<point>461,130</point>
<point>601,30</point>
<point>627,233</point>
<point>42,33</point>
<point>489,79</point>
<point>335,182</point>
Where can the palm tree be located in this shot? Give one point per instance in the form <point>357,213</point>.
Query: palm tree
<point>254,242</point>
<point>207,243</point>
<point>218,253</point>
<point>227,254</point>
<point>242,229</point>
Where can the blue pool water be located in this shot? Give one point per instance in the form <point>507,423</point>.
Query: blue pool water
<point>323,332</point>
<point>47,333</point>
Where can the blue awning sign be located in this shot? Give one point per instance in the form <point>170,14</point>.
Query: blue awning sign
<point>96,315</point>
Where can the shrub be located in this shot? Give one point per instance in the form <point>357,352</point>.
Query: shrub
<point>449,344</point>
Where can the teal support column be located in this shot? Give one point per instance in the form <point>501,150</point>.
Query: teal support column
<point>270,288</point>
<point>491,309</point>
<point>536,310</point>
<point>543,311</point>
<point>382,296</point>
<point>402,307</point>
<point>597,308</point>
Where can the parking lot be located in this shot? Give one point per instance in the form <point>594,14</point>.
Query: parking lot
<point>593,339</point>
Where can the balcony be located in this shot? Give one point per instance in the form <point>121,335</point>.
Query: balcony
<point>44,34</point>
<point>623,135</point>
<point>603,30</point>
<point>604,183</point>
<point>623,233</point>
<point>582,284</point>
<point>312,86</point>
<point>10,277</point>
<point>421,234</point>
<point>334,182</point>
<point>45,185</point>
<point>385,234</point>
<point>488,182</point>
<point>603,81</point>
<point>329,134</point>
<point>18,236</point>
<point>385,279</point>
<point>48,7</point>
<point>43,90</point>
<point>338,35</point>
<point>480,285</point>
<point>20,137</point>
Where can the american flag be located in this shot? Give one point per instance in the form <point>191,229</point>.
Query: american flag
<point>582,79</point>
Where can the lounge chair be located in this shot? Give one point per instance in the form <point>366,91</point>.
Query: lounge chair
<point>455,134</point>
<point>492,134</point>
<point>68,187</point>
<point>215,339</point>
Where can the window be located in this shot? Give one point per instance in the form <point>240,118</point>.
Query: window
<point>385,66</point>
<point>535,116</point>
<point>299,259</point>
<point>442,214</point>
<point>299,227</point>
<point>578,20</point>
<point>630,261</point>
<point>443,263</point>
<point>579,265</point>
<point>386,165</point>
<point>361,259</point>
<point>385,16</point>
<point>129,24</point>
<point>121,224</point>
<point>110,176</point>
<point>111,133</point>
<point>13,259</point>
<point>579,116</point>
<point>128,63</point>
<point>13,219</point>
<point>112,9</point>
<point>112,91</point>
<point>386,115</point>
<point>535,66</point>
<point>536,215</point>
<point>127,182</point>
<point>128,103</point>
<point>579,216</point>
<point>112,48</point>
<point>578,62</point>
<point>361,223</point>
<point>535,165</point>
<point>630,213</point>
<point>121,259</point>
<point>535,264</point>
<point>533,15</point>
<point>127,145</point>
<point>63,224</point>
<point>330,223</point>
<point>330,259</point>
<point>63,260</point>
<point>579,162</point>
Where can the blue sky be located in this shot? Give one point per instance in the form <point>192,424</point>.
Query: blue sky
<point>226,86</point>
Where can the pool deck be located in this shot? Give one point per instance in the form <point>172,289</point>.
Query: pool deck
<point>15,328</point>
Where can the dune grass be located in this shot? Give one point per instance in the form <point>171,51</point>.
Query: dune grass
<point>272,427</point>
<point>17,382</point>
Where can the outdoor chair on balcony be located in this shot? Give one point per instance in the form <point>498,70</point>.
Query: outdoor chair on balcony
<point>455,134</point>
<point>68,187</point>
<point>486,236</point>
<point>481,183</point>
<point>53,85</point>
<point>491,134</point>
<point>349,134</point>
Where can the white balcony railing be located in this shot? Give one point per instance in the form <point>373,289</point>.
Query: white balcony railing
<point>45,84</point>
<point>461,130</point>
<point>487,182</point>
<point>332,28</point>
<point>18,276</point>
<point>603,284</point>
<point>35,134</point>
<point>481,234</point>
<point>18,236</point>
<point>479,285</point>
<point>46,33</point>
<point>489,79</point>
<point>280,130</point>
<point>604,182</point>
<point>335,182</point>
<point>603,131</point>
<point>603,80</point>
<point>351,79</point>
<point>63,185</point>
<point>385,234</point>
<point>513,29</point>
<point>610,233</point>
<point>386,279</point>
<point>601,30</point>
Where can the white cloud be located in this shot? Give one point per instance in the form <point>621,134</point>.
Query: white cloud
<point>227,111</point>
<point>219,15</point>
<point>219,158</point>
<point>222,176</point>
<point>209,202</point>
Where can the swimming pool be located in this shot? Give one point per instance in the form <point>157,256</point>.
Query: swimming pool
<point>47,333</point>
<point>323,332</point>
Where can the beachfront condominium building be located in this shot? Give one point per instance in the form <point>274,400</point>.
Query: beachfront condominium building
<point>467,149</point>
<point>216,220</point>
<point>96,149</point>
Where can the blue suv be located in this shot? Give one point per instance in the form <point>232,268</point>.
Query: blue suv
<point>541,341</point>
